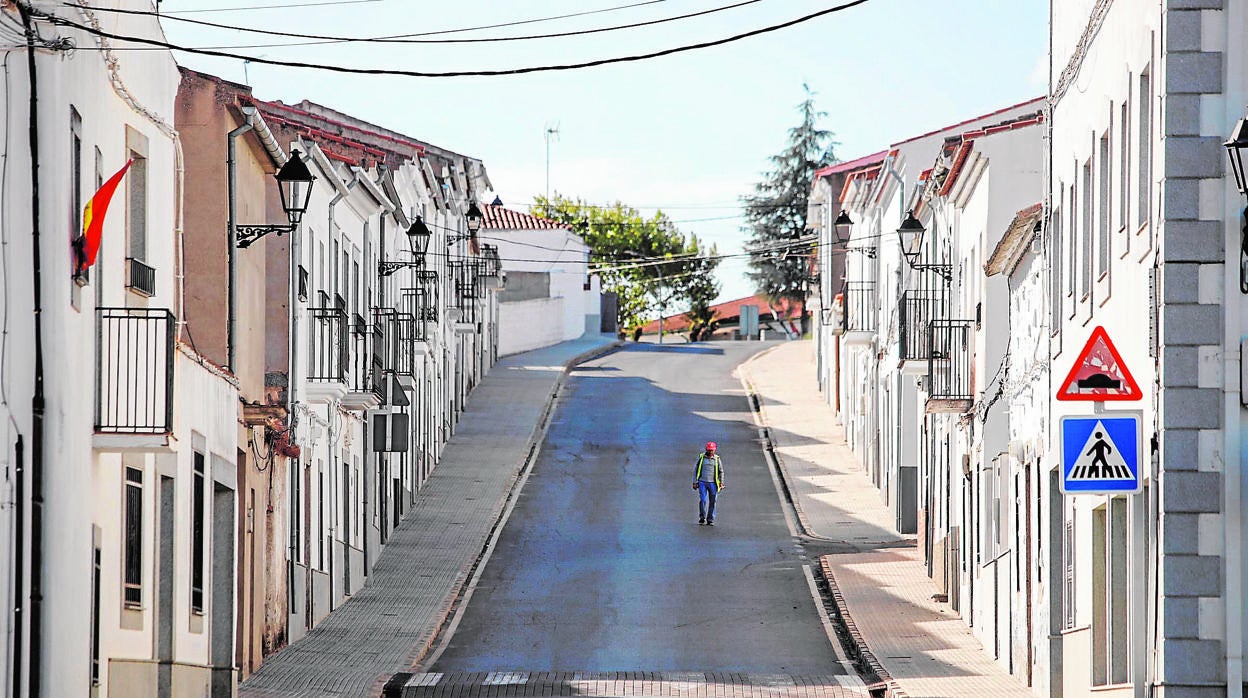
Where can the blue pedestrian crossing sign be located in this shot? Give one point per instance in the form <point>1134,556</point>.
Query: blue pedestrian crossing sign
<point>1101,453</point>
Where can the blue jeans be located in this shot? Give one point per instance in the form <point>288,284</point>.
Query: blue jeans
<point>707,492</point>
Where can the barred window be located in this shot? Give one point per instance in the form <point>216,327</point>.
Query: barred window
<point>197,534</point>
<point>132,545</point>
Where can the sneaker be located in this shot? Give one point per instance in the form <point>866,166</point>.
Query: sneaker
<point>701,522</point>
<point>710,523</point>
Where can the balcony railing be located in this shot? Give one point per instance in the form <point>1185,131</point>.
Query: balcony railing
<point>859,306</point>
<point>140,277</point>
<point>418,302</point>
<point>134,371</point>
<point>468,288</point>
<point>396,339</point>
<point>917,309</point>
<point>949,367</point>
<point>365,364</point>
<point>329,338</point>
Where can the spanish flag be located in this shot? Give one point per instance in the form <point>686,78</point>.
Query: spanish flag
<point>93,218</point>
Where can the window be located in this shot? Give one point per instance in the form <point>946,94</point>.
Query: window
<point>75,203</point>
<point>346,501</point>
<point>1085,271</point>
<point>136,200</point>
<point>1144,140</point>
<point>1124,164</point>
<point>1102,208</point>
<point>197,535</point>
<point>1055,283</point>
<point>132,545</point>
<point>1109,595</point>
<point>99,268</point>
<point>96,558</point>
<point>1072,252</point>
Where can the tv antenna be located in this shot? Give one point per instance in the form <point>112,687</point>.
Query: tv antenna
<point>550,133</point>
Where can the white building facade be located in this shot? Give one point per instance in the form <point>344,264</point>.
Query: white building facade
<point>121,505</point>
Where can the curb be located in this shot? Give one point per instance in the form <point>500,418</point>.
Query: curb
<point>861,654</point>
<point>461,592</point>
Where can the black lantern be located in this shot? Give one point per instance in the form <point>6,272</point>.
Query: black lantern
<point>418,234</point>
<point>474,218</point>
<point>911,236</point>
<point>294,184</point>
<point>842,224</point>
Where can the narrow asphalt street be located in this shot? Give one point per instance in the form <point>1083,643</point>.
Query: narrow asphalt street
<point>602,566</point>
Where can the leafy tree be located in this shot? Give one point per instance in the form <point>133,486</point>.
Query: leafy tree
<point>647,262</point>
<point>775,214</point>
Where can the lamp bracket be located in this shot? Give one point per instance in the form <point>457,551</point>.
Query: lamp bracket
<point>247,234</point>
<point>385,269</point>
<point>944,271</point>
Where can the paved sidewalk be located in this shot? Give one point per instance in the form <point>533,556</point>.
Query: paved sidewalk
<point>881,580</point>
<point>392,621</point>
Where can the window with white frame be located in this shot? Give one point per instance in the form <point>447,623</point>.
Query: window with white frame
<point>1086,233</point>
<point>198,540</point>
<point>1102,207</point>
<point>1055,270</point>
<point>132,542</point>
<point>1144,141</point>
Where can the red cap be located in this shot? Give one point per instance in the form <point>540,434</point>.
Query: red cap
<point>710,445</point>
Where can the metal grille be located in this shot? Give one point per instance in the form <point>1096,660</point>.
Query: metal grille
<point>140,277</point>
<point>918,308</point>
<point>327,358</point>
<point>859,306</point>
<point>134,371</point>
<point>132,583</point>
<point>949,365</point>
<point>197,535</point>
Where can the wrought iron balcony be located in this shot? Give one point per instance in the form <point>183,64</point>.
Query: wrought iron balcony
<point>950,376</point>
<point>134,371</point>
<point>916,310</point>
<point>367,372</point>
<point>329,339</point>
<point>858,298</point>
<point>420,303</point>
<point>395,340</point>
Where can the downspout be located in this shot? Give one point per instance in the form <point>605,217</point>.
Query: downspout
<point>231,254</point>
<point>37,405</point>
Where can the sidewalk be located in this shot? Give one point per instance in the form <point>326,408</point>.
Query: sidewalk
<point>922,645</point>
<point>392,621</point>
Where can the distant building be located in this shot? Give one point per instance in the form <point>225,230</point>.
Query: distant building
<point>548,294</point>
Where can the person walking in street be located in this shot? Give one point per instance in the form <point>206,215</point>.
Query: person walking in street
<point>708,480</point>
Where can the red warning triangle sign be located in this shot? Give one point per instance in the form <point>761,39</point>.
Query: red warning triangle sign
<point>1099,373</point>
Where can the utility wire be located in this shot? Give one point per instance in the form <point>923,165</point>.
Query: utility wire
<point>61,21</point>
<point>266,7</point>
<point>324,39</point>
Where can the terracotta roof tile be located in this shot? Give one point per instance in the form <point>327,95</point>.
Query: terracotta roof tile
<point>726,311</point>
<point>500,218</point>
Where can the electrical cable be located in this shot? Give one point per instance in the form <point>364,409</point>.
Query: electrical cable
<point>61,21</point>
<point>326,39</point>
<point>269,7</point>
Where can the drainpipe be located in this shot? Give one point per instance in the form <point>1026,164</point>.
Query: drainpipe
<point>37,405</point>
<point>231,305</point>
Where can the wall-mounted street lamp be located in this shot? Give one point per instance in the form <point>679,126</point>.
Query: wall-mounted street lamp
<point>418,236</point>
<point>294,185</point>
<point>842,225</point>
<point>1235,147</point>
<point>911,235</point>
<point>474,218</point>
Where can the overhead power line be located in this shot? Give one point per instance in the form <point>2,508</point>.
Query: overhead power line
<point>324,39</point>
<point>61,21</point>
<point>274,7</point>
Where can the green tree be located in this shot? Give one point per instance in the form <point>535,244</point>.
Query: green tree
<point>649,264</point>
<point>775,214</point>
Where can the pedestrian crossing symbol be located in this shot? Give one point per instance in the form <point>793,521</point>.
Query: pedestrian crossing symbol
<point>1101,454</point>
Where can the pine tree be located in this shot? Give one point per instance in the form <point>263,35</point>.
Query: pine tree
<point>775,214</point>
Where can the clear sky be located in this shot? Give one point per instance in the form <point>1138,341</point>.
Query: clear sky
<point>687,133</point>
